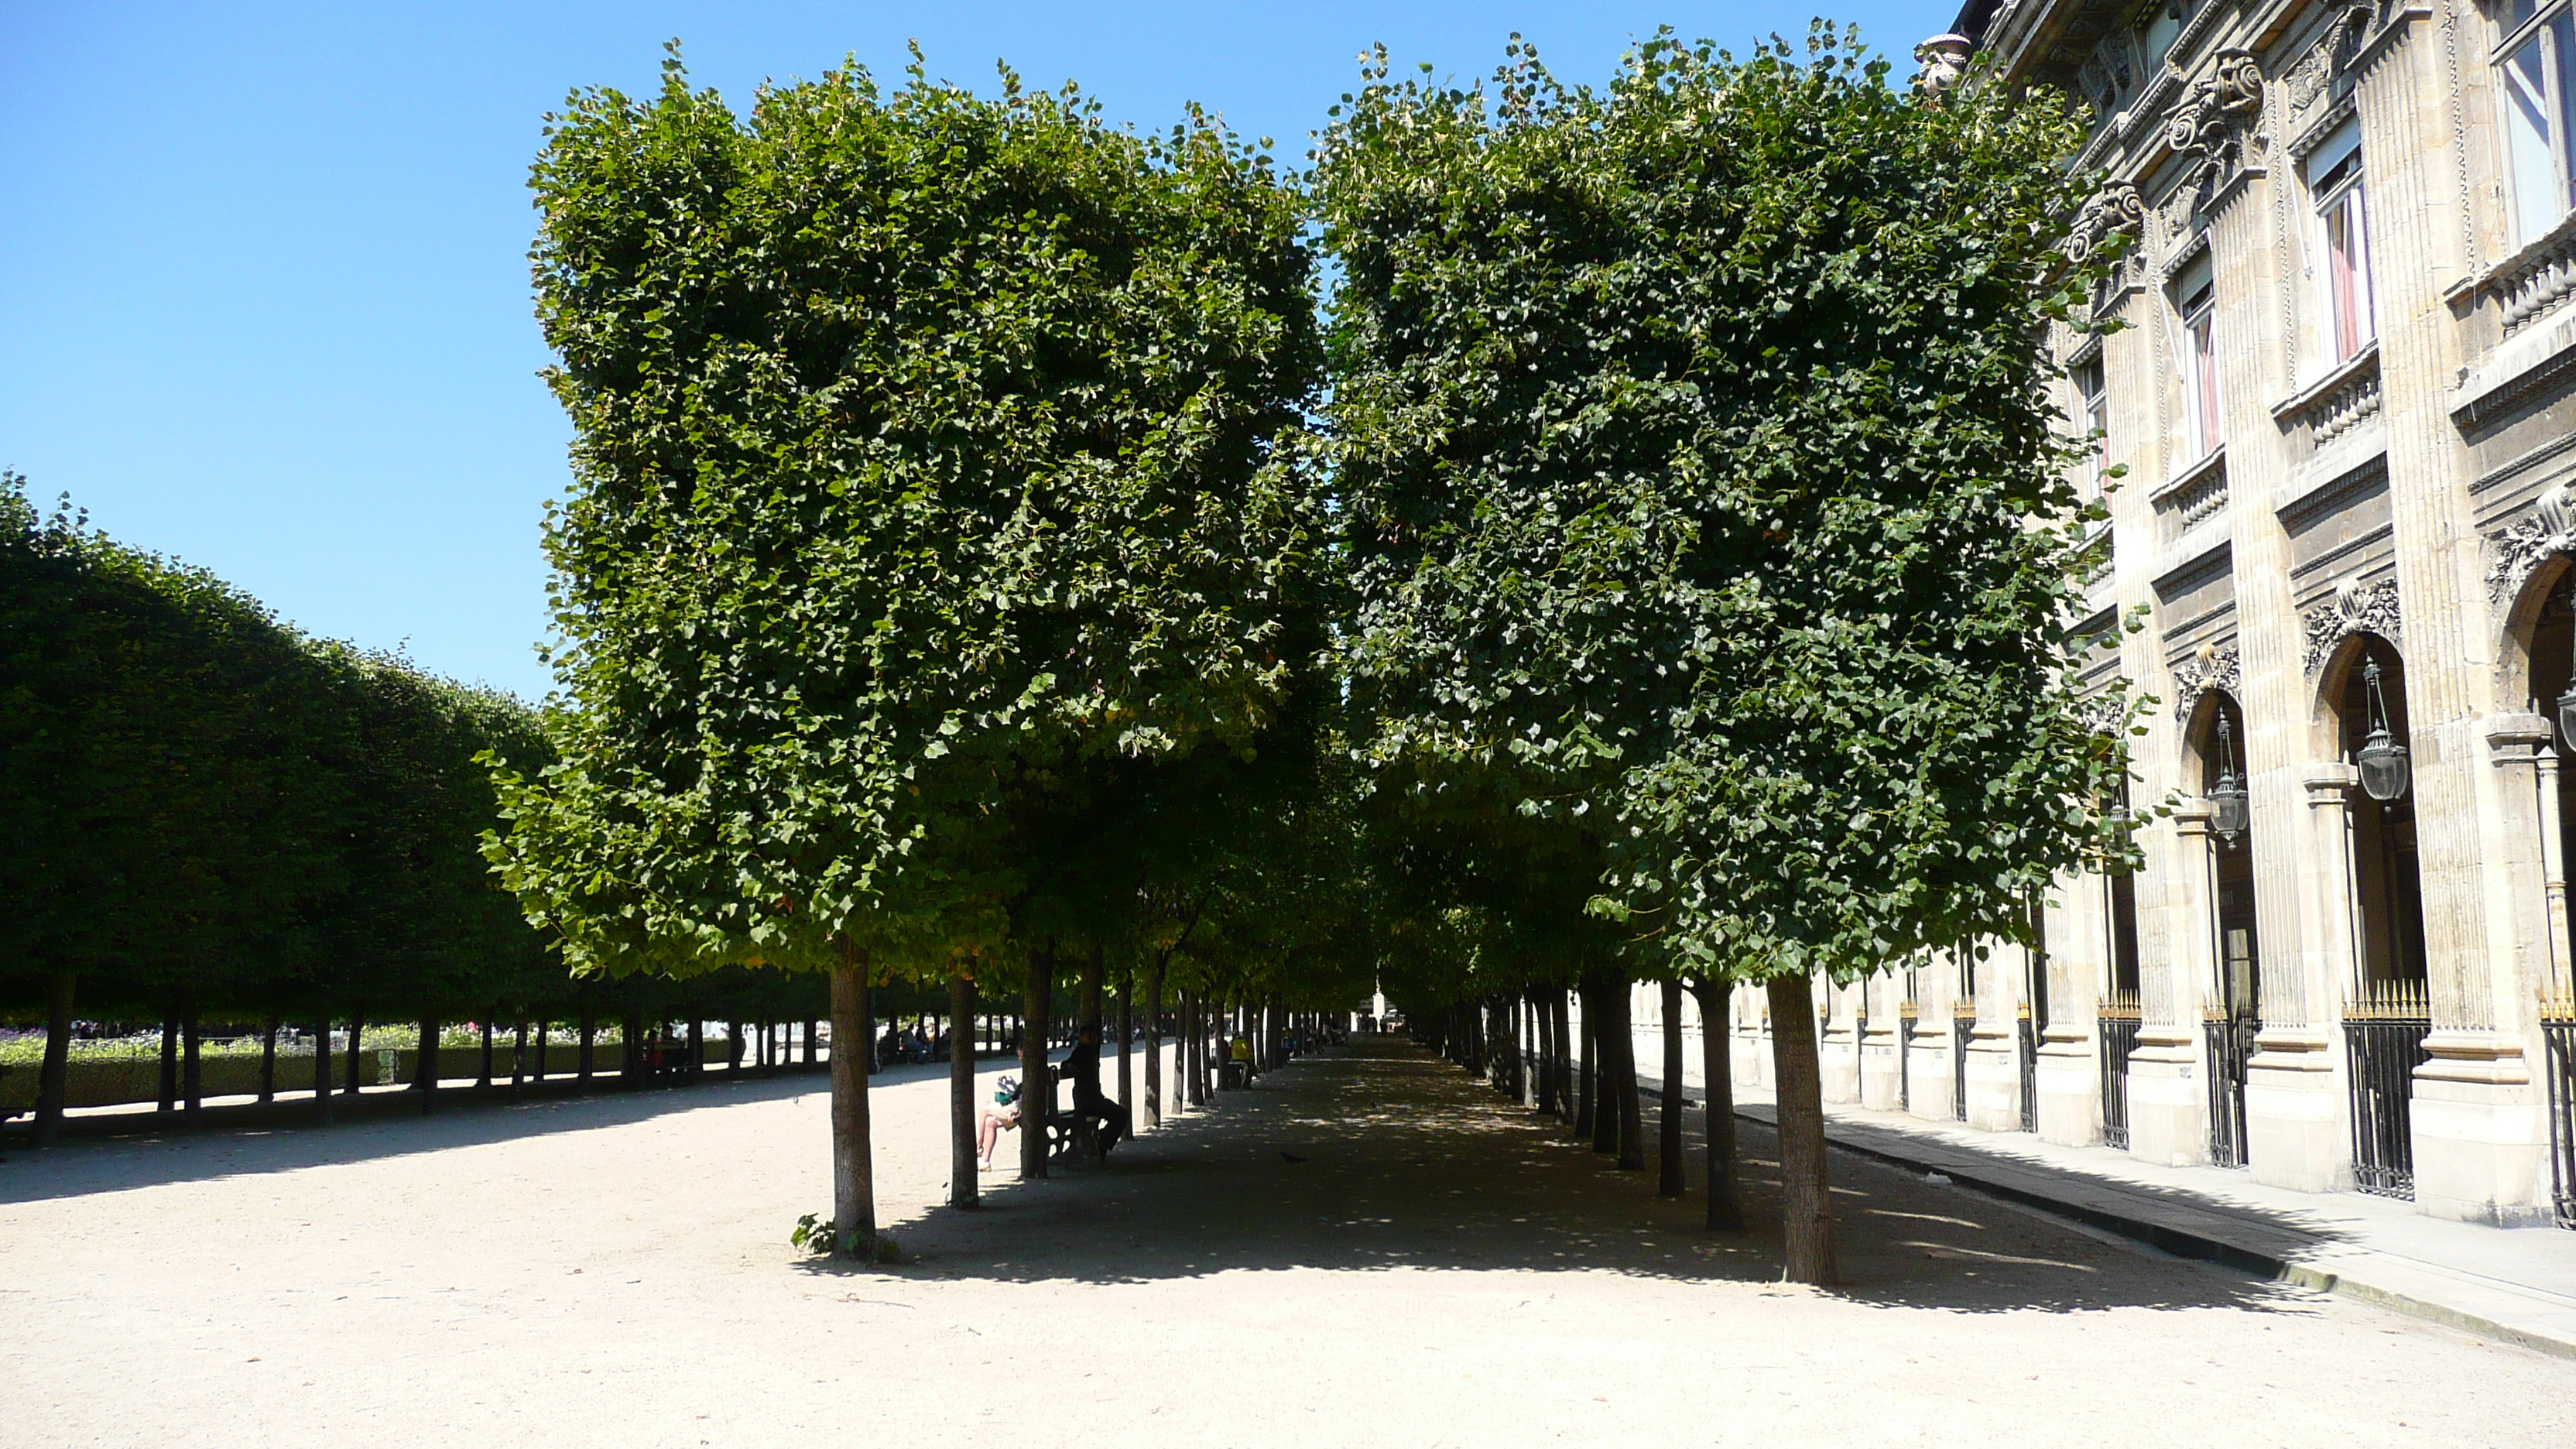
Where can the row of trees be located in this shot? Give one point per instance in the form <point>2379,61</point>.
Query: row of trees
<point>992,562</point>
<point>210,817</point>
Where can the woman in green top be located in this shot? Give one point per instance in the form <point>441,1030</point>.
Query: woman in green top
<point>1003,1116</point>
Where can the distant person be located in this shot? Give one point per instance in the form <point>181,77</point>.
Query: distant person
<point>1002,1116</point>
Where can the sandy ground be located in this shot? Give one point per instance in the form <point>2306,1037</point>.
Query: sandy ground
<point>1437,1269</point>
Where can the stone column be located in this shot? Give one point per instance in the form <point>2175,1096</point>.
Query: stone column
<point>2473,1114</point>
<point>2562,963</point>
<point>2168,1095</point>
<point>1882,1038</point>
<point>2297,1127</point>
<point>2070,1073</point>
<point>1994,1053</point>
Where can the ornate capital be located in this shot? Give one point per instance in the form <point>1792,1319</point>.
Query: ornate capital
<point>2353,610</point>
<point>2103,713</point>
<point>2216,666</point>
<point>2115,210</point>
<point>2550,528</point>
<point>2208,119</point>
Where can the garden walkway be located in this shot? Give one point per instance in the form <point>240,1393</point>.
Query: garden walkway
<point>1365,1247</point>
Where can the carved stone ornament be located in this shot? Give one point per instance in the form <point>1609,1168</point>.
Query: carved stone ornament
<point>2550,528</point>
<point>2214,666</point>
<point>1944,62</point>
<point>2353,610</point>
<point>2206,121</point>
<point>2115,210</point>
<point>2103,713</point>
<point>2314,75</point>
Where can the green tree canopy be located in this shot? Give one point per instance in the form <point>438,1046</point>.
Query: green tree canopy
<point>1699,460</point>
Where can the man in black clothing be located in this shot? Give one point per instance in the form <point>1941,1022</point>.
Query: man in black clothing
<point>1082,1066</point>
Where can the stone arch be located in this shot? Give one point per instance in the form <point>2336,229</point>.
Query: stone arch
<point>2386,882</point>
<point>2201,762</point>
<point>2533,654</point>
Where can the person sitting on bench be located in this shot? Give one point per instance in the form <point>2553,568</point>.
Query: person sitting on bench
<point>1082,1067</point>
<point>1003,1116</point>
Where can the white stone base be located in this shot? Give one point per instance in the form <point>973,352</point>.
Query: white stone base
<point>1994,1079</point>
<point>2481,1130</point>
<point>1838,1067</point>
<point>1878,1069</point>
<point>2168,1101</point>
<point>1929,1063</point>
<point>2070,1090</point>
<point>2296,1135</point>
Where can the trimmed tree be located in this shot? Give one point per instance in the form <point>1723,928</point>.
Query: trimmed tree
<point>927,451</point>
<point>1716,401</point>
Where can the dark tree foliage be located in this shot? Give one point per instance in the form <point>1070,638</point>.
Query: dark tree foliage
<point>1699,462</point>
<point>199,803</point>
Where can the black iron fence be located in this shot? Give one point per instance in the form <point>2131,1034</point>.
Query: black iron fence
<point>2384,1027</point>
<point>2558,1034</point>
<point>2029,1043</point>
<point>1963,1030</point>
<point>2230,1036</point>
<point>1905,1057</point>
<point>2117,1019</point>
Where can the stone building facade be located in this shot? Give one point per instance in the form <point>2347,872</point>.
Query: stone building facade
<point>2343,407</point>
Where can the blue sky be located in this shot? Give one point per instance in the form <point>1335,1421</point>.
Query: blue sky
<point>263,288</point>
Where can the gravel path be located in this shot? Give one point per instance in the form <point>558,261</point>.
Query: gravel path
<point>1437,1269</point>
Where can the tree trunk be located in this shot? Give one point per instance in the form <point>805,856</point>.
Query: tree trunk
<point>1154,1047</point>
<point>810,1058</point>
<point>1037,1087</point>
<point>1669,1171</point>
<point>1725,1204</point>
<point>518,1057</point>
<point>54,1084</point>
<point>322,1069</point>
<point>631,1053</point>
<point>1562,1034</point>
<point>854,1203</point>
<point>733,1046</point>
<point>169,1064</point>
<point>483,1082</point>
<point>1589,1121</point>
<point>1544,1030</point>
<point>698,1047</point>
<point>589,1049</point>
<point>544,1046</point>
<point>1623,1055</point>
<point>1087,1013</point>
<point>357,1052</point>
<point>1806,1199</point>
<point>424,1072</point>
<point>963,1190</point>
<point>192,1072</point>
<point>1126,1034</point>
<point>268,1061</point>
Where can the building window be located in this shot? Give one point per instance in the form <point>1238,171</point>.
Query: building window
<point>2534,65</point>
<point>2343,242</point>
<point>2096,400</point>
<point>2196,359</point>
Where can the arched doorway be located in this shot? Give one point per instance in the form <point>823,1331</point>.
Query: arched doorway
<point>2231,1012</point>
<point>2386,1013</point>
<point>2546,626</point>
<point>2115,1011</point>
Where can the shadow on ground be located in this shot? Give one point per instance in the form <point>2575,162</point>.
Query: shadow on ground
<point>1381,1157</point>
